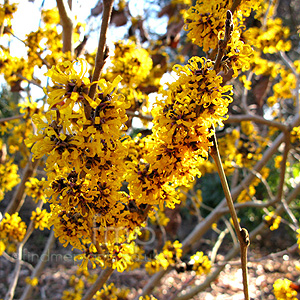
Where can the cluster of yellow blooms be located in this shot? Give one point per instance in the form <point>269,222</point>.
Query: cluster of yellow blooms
<point>6,12</point>
<point>272,220</point>
<point>9,177</point>
<point>272,38</point>
<point>40,218</point>
<point>12,231</point>
<point>201,263</point>
<point>35,189</point>
<point>283,290</point>
<point>170,255</point>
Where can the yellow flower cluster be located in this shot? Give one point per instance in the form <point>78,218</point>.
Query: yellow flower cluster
<point>170,255</point>
<point>76,292</point>
<point>283,89</point>
<point>204,21</point>
<point>50,17</point>
<point>201,263</point>
<point>12,67</point>
<point>41,218</point>
<point>273,221</point>
<point>9,177</point>
<point>131,62</point>
<point>35,189</point>
<point>295,134</point>
<point>33,282</point>
<point>12,231</point>
<point>248,194</point>
<point>271,38</point>
<point>111,292</point>
<point>283,290</point>
<point>85,167</point>
<point>238,55</point>
<point>147,297</point>
<point>6,12</point>
<point>183,119</point>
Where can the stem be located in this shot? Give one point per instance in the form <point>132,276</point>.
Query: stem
<point>67,24</point>
<point>245,94</point>
<point>12,287</point>
<point>100,59</point>
<point>19,195</point>
<point>11,118</point>
<point>242,233</point>
<point>106,273</point>
<point>283,166</point>
<point>223,43</point>
<point>139,115</point>
<point>40,266</point>
<point>291,66</point>
<point>235,5</point>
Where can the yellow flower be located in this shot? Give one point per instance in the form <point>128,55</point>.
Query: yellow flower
<point>204,21</point>
<point>283,290</point>
<point>131,62</point>
<point>35,188</point>
<point>2,247</point>
<point>9,177</point>
<point>50,17</point>
<point>201,263</point>
<point>270,38</point>
<point>70,86</point>
<point>170,255</point>
<point>41,218</point>
<point>33,282</point>
<point>12,231</point>
<point>273,220</point>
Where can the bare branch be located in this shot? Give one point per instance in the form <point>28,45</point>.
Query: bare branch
<point>67,22</point>
<point>100,59</point>
<point>257,119</point>
<point>223,43</point>
<point>98,283</point>
<point>40,266</point>
<point>241,233</point>
<point>19,195</point>
<point>11,290</point>
<point>11,118</point>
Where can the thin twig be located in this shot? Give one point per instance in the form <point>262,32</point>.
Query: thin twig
<point>67,22</point>
<point>12,287</point>
<point>98,283</point>
<point>139,115</point>
<point>223,43</point>
<point>29,81</point>
<point>291,66</point>
<point>19,195</point>
<point>11,118</point>
<point>290,214</point>
<point>245,94</point>
<point>256,119</point>
<point>100,59</point>
<point>13,260</point>
<point>230,229</point>
<point>241,233</point>
<point>217,245</point>
<point>235,5</point>
<point>283,166</point>
<point>40,266</point>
